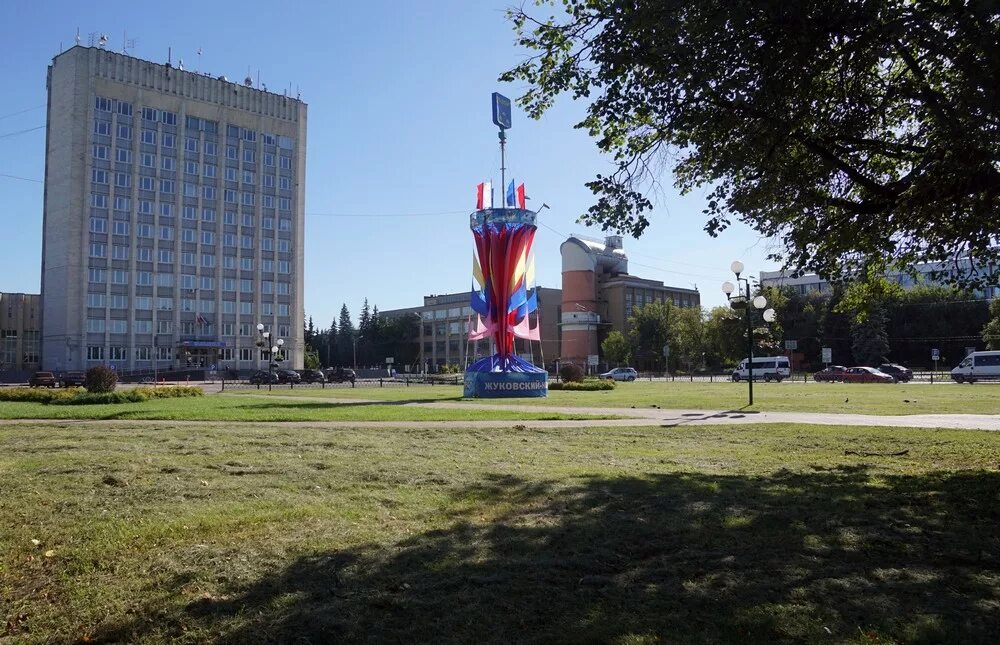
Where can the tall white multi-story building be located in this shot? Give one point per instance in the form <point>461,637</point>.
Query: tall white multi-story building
<point>174,213</point>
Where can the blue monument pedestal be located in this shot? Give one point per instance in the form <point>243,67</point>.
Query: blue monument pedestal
<point>485,380</point>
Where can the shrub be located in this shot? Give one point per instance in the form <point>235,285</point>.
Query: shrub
<point>32,395</point>
<point>583,386</point>
<point>571,373</point>
<point>100,379</point>
<point>135,395</point>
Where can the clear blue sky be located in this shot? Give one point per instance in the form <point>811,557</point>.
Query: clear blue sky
<point>399,123</point>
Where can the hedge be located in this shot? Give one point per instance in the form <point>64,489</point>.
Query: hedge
<point>79,396</point>
<point>583,386</point>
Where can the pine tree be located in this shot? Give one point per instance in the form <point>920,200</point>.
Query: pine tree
<point>309,334</point>
<point>332,353</point>
<point>345,337</point>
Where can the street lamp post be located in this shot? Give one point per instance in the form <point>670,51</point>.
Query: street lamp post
<point>740,301</point>
<point>265,343</point>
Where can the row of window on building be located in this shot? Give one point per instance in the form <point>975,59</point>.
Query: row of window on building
<point>145,303</point>
<point>102,200</point>
<point>98,274</point>
<point>165,233</point>
<point>191,123</point>
<point>28,352</point>
<point>102,176</point>
<point>146,353</point>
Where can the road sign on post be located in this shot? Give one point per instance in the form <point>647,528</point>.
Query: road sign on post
<point>791,345</point>
<point>501,112</point>
<point>827,355</point>
<point>592,360</point>
<point>390,360</point>
<point>935,354</point>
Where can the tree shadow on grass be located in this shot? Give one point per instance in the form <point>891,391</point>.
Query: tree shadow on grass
<point>791,557</point>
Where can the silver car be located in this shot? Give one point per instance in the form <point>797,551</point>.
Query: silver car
<point>621,374</point>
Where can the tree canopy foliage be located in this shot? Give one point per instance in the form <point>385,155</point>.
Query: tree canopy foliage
<point>851,131</point>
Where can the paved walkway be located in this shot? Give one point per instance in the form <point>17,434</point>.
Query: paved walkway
<point>632,417</point>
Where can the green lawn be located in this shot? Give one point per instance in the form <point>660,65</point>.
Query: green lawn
<point>792,397</point>
<point>257,533</point>
<point>260,409</point>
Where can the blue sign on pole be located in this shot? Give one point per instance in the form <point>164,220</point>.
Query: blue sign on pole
<point>501,111</point>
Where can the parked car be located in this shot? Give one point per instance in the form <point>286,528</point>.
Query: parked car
<point>288,376</point>
<point>621,374</point>
<point>262,377</point>
<point>901,373</point>
<point>43,379</point>
<point>977,366</point>
<point>73,379</point>
<point>768,368</point>
<point>312,376</point>
<point>866,375</point>
<point>340,375</point>
<point>830,373</point>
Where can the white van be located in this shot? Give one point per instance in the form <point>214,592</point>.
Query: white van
<point>769,368</point>
<point>977,366</point>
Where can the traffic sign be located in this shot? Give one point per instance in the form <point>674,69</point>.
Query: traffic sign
<point>390,360</point>
<point>592,360</point>
<point>791,345</point>
<point>666,350</point>
<point>501,111</point>
<point>827,355</point>
<point>935,354</point>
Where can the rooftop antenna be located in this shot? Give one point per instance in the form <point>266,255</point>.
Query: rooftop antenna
<point>102,42</point>
<point>180,64</point>
<point>77,35</point>
<point>248,81</point>
<point>127,44</point>
<point>170,56</point>
<point>91,38</point>
<point>298,93</point>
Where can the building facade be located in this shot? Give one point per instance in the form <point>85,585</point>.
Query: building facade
<point>444,329</point>
<point>20,333</point>
<point>812,283</point>
<point>598,295</point>
<point>173,217</point>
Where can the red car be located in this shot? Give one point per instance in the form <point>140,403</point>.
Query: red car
<point>830,373</point>
<point>866,375</point>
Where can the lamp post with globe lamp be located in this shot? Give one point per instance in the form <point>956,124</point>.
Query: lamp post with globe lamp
<point>265,343</point>
<point>740,301</point>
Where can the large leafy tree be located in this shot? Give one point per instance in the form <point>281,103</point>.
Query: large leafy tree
<point>991,331</point>
<point>650,330</point>
<point>849,130</point>
<point>617,348</point>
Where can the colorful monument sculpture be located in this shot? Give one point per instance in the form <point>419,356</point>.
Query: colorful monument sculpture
<point>503,297</point>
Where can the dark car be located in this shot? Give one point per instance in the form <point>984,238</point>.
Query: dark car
<point>288,376</point>
<point>340,375</point>
<point>313,376</point>
<point>866,375</point>
<point>262,377</point>
<point>73,379</point>
<point>901,373</point>
<point>42,379</point>
<point>830,373</point>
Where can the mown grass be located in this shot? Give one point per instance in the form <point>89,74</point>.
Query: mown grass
<point>257,533</point>
<point>260,409</point>
<point>778,397</point>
